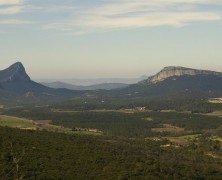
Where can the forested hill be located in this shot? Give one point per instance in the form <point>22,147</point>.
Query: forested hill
<point>187,85</point>
<point>17,87</point>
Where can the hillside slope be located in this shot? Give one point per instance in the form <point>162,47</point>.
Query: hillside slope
<point>17,86</point>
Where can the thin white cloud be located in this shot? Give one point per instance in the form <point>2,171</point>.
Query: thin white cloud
<point>11,10</point>
<point>141,13</point>
<point>52,9</point>
<point>8,7</point>
<point>65,27</point>
<point>107,15</point>
<point>10,2</point>
<point>14,22</point>
<point>157,19</point>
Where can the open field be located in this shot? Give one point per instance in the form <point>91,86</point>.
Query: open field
<point>177,140</point>
<point>214,113</point>
<point>183,140</point>
<point>215,100</point>
<point>26,124</point>
<point>120,122</point>
<point>169,128</point>
<point>135,110</point>
<point>214,155</point>
<point>216,138</point>
<point>15,122</point>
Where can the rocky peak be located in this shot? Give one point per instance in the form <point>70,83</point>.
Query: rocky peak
<point>172,71</point>
<point>14,73</point>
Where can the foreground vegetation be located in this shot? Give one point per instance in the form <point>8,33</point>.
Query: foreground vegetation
<point>132,143</point>
<point>45,155</point>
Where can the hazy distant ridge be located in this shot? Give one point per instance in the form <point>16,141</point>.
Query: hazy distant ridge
<point>16,86</point>
<point>105,86</point>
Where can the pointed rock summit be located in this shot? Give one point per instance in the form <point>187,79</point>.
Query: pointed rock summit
<point>175,71</point>
<point>14,73</point>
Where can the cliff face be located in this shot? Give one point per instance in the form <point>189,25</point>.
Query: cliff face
<point>15,73</point>
<point>173,71</point>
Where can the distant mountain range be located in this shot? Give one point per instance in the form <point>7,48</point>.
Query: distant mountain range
<point>17,87</point>
<point>104,86</point>
<point>93,81</point>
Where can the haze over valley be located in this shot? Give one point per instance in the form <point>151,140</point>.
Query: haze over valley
<point>115,90</point>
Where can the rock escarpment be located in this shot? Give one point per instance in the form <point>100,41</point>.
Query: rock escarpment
<point>175,71</point>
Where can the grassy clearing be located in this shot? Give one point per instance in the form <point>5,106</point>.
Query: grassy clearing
<point>215,138</point>
<point>190,137</point>
<point>15,122</point>
<point>22,123</point>
<point>183,140</point>
<point>214,113</point>
<point>127,111</point>
<point>169,128</point>
<point>178,141</point>
<point>213,155</point>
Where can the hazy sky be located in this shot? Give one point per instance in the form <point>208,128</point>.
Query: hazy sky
<point>109,38</point>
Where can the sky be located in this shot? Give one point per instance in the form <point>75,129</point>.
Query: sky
<point>59,39</point>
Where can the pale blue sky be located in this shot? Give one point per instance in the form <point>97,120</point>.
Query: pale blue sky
<point>109,38</point>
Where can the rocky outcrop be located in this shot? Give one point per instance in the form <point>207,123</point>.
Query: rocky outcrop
<point>174,71</point>
<point>14,73</point>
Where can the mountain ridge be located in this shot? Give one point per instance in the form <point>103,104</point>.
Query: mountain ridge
<point>14,73</point>
<point>103,86</point>
<point>176,71</point>
<point>17,87</point>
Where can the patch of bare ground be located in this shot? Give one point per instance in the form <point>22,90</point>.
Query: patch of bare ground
<point>87,130</point>
<point>109,141</point>
<point>64,111</point>
<point>135,110</point>
<point>213,155</point>
<point>43,121</point>
<point>173,141</point>
<point>147,119</point>
<point>29,128</point>
<point>103,110</point>
<point>154,138</point>
<point>178,141</point>
<point>168,110</point>
<point>169,128</point>
<point>215,100</point>
<point>169,145</point>
<point>130,111</point>
<point>184,112</point>
<point>214,113</point>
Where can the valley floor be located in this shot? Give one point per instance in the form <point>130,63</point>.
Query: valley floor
<point>44,143</point>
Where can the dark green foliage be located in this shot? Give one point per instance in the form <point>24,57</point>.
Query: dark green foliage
<point>58,156</point>
<point>122,152</point>
<point>190,86</point>
<point>136,125</point>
